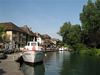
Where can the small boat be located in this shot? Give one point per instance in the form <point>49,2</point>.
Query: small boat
<point>33,52</point>
<point>63,48</point>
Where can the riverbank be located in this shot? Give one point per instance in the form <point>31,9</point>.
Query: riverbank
<point>91,52</point>
<point>9,66</point>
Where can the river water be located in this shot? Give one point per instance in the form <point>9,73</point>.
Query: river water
<point>63,63</point>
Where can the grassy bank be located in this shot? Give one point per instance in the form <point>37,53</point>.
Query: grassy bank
<point>92,51</point>
<point>82,49</point>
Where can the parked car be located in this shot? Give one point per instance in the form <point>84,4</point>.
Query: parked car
<point>8,51</point>
<point>3,56</point>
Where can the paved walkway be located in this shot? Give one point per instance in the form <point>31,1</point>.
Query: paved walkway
<point>9,66</point>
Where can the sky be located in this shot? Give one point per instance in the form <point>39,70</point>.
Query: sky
<point>43,16</point>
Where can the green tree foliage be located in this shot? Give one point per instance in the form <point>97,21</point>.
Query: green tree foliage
<point>82,36</point>
<point>97,13</point>
<point>3,36</point>
<point>90,19</point>
<point>2,30</point>
<point>87,17</point>
<point>97,3</point>
<point>64,28</point>
<point>90,16</point>
<point>71,34</point>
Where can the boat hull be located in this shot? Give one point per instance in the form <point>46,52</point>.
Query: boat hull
<point>33,56</point>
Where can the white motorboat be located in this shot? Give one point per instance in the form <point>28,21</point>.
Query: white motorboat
<point>33,52</point>
<point>63,48</point>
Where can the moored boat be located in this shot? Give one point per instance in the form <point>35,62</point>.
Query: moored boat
<point>63,48</point>
<point>33,52</point>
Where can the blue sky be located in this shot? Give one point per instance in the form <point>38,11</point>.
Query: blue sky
<point>44,16</point>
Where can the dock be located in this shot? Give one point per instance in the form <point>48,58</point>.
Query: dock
<point>9,66</point>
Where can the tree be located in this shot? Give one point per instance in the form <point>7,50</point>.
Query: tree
<point>2,30</point>
<point>65,28</point>
<point>90,19</point>
<point>71,34</point>
<point>97,13</point>
<point>3,36</point>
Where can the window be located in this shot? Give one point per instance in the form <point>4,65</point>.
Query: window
<point>28,44</point>
<point>33,44</point>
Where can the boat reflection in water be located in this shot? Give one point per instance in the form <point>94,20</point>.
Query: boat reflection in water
<point>33,69</point>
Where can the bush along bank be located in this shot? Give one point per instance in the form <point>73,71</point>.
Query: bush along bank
<point>90,51</point>
<point>84,50</point>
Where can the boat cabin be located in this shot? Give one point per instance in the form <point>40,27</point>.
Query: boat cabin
<point>33,46</point>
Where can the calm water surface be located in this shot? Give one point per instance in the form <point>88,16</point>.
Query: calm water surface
<point>62,63</point>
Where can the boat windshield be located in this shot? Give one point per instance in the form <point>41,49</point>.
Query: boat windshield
<point>33,44</point>
<point>28,44</point>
